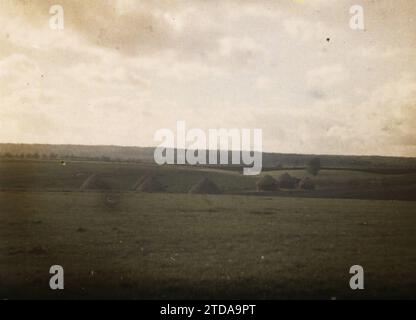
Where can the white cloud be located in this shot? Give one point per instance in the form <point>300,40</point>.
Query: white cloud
<point>303,30</point>
<point>326,77</point>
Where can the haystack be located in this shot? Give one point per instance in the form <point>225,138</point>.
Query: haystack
<point>93,182</point>
<point>267,183</point>
<point>205,186</point>
<point>286,181</point>
<point>140,181</point>
<point>150,184</point>
<point>307,184</point>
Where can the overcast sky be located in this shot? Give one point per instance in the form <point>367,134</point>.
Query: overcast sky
<point>120,70</point>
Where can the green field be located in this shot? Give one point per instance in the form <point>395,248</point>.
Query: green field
<point>26,175</point>
<point>51,175</point>
<point>119,243</point>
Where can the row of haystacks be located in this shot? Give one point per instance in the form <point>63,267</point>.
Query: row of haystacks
<point>205,186</point>
<point>149,183</point>
<point>94,182</point>
<point>285,181</point>
<point>152,184</point>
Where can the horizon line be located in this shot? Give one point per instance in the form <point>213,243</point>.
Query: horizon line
<point>263,152</point>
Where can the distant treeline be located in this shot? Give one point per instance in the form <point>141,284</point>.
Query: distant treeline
<point>76,152</point>
<point>271,161</point>
<point>54,156</point>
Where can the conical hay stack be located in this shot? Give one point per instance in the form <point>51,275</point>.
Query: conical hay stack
<point>150,184</point>
<point>93,182</point>
<point>287,181</point>
<point>267,183</point>
<point>205,186</point>
<point>307,184</point>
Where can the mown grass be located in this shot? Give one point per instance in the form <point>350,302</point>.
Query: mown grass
<point>52,176</point>
<point>132,245</point>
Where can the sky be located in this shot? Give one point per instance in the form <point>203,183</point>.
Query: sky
<point>121,70</point>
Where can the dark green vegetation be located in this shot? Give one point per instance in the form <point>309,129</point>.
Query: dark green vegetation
<point>314,165</point>
<point>123,244</point>
<point>204,246</point>
<point>139,154</point>
<point>51,175</point>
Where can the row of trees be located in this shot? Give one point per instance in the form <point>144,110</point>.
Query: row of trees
<point>313,166</point>
<point>50,156</point>
<point>35,155</point>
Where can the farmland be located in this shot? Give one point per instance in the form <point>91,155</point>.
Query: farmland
<point>178,245</point>
<point>29,175</point>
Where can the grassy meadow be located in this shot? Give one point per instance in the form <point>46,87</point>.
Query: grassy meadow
<point>119,243</point>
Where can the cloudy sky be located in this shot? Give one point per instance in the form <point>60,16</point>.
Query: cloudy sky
<point>122,69</point>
